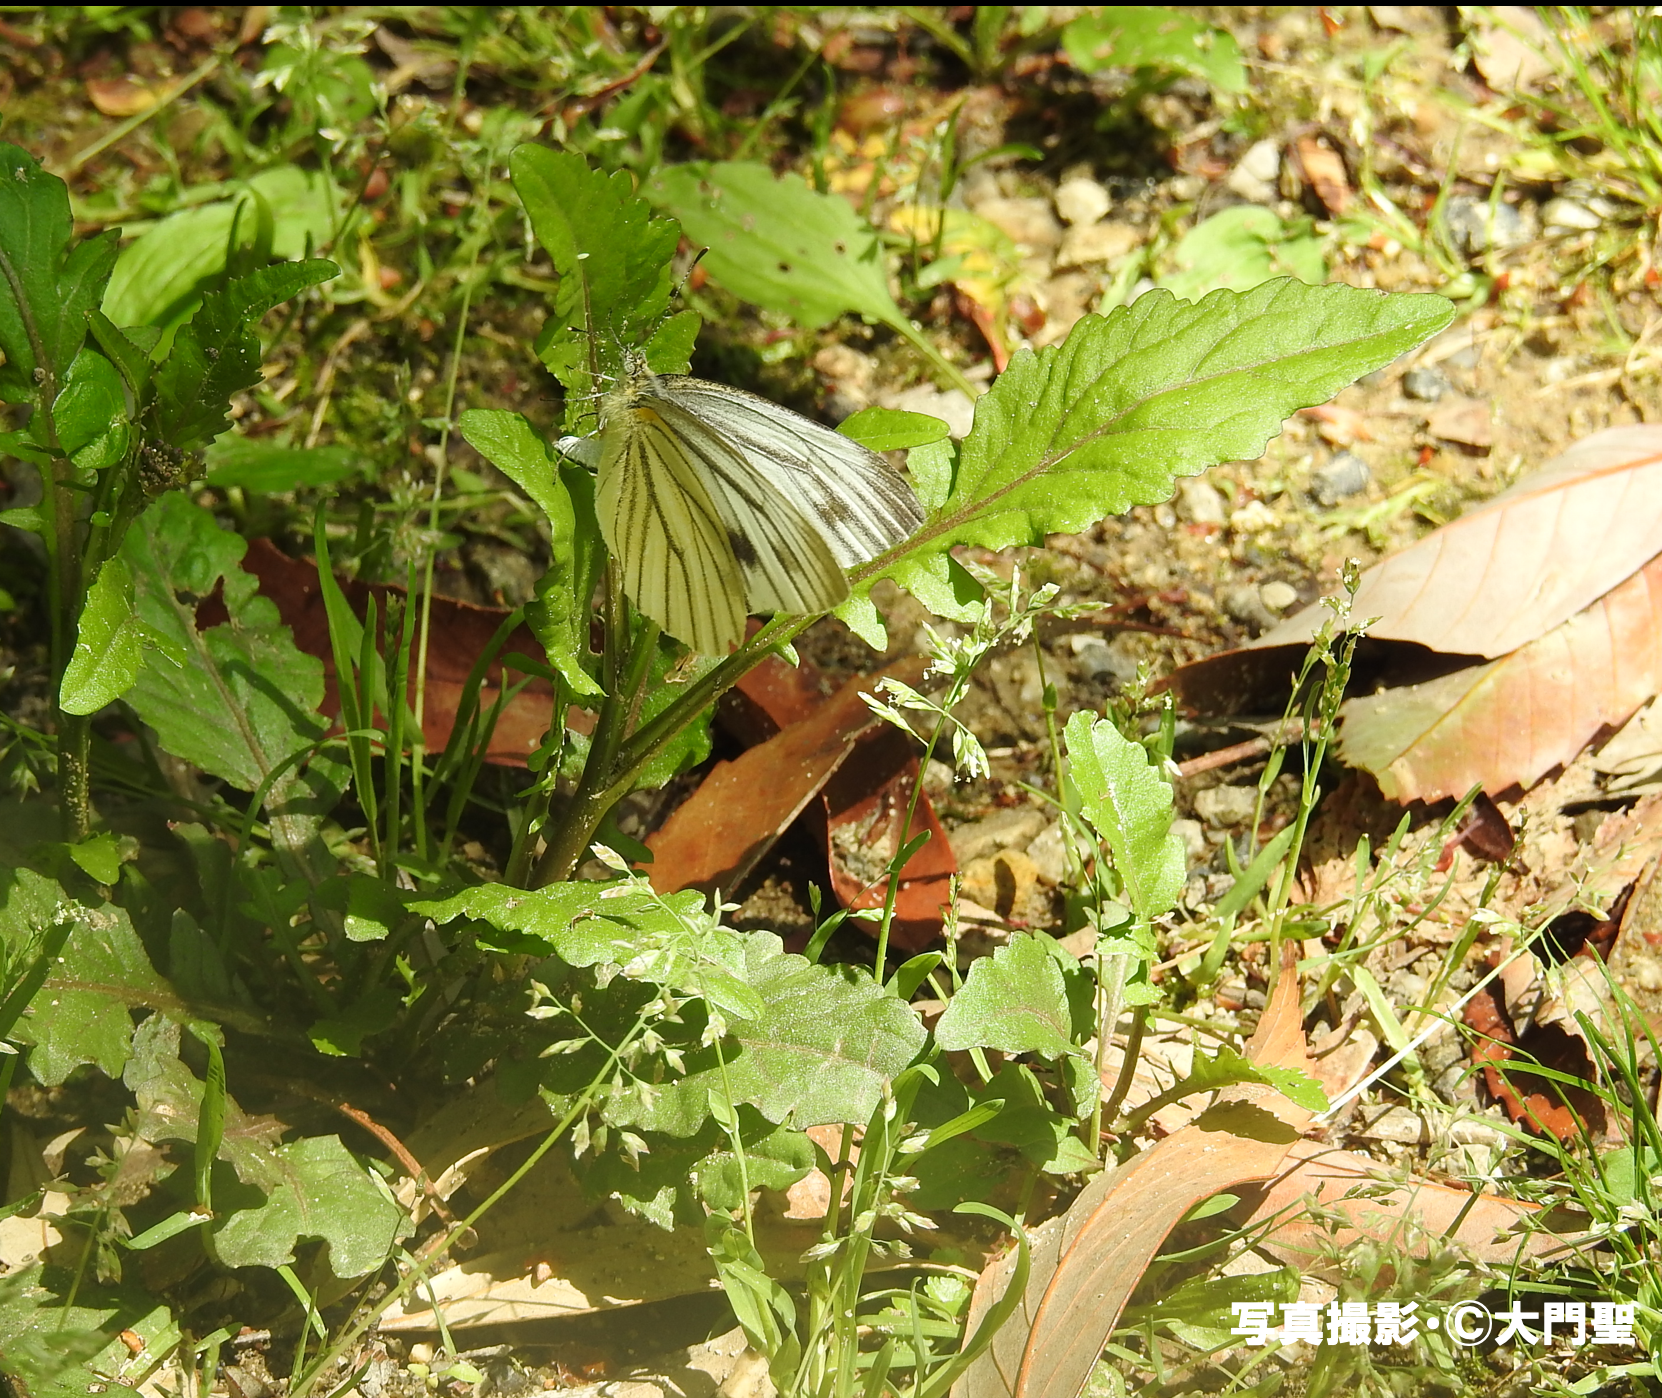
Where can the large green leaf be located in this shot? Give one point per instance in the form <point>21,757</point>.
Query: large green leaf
<point>274,1195</point>
<point>1129,805</point>
<point>827,1041</point>
<point>612,256</point>
<point>47,286</point>
<point>246,702</point>
<point>284,212</point>
<point>1158,389</point>
<point>669,940</point>
<point>1014,1001</point>
<point>779,244</point>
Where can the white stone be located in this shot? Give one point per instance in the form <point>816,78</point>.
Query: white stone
<point>1081,200</point>
<point>1096,242</point>
<point>1201,502</point>
<point>1226,805</point>
<point>1278,596</point>
<point>1256,173</point>
<point>1049,853</point>
<point>1027,222</point>
<point>1254,517</point>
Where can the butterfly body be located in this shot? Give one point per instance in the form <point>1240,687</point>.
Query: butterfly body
<point>717,503</point>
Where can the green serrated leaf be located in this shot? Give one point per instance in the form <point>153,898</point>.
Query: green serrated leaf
<point>611,254</point>
<point>1028,1122</point>
<point>778,243</point>
<point>1129,805</point>
<point>1225,1068</point>
<point>670,940</point>
<point>1158,37</point>
<point>565,494</point>
<point>109,646</point>
<point>48,283</point>
<point>216,352</point>
<point>1013,1001</point>
<point>821,1050</point>
<point>1158,389</point>
<point>320,1191</point>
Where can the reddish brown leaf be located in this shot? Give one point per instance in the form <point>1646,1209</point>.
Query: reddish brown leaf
<point>714,838</point>
<point>861,807</point>
<point>1086,1264</point>
<point>1324,172</point>
<point>460,632</point>
<point>1514,719</point>
<point>865,807</point>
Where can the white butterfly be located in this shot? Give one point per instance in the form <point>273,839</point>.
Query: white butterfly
<point>717,503</point>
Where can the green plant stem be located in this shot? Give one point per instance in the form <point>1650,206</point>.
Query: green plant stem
<point>601,785</point>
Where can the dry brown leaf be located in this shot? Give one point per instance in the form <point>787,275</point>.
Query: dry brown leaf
<point>1521,564</point>
<point>714,838</point>
<point>1324,172</point>
<point>1086,1264</point>
<point>1511,721</point>
<point>1410,1214</point>
<point>120,97</point>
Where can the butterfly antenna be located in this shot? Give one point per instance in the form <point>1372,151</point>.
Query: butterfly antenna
<point>681,286</point>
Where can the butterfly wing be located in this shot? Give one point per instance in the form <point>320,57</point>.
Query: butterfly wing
<point>786,562</point>
<point>663,529</point>
<point>848,494</point>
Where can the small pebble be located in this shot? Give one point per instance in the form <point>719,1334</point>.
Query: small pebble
<point>1561,216</point>
<point>1028,222</point>
<point>1226,805</point>
<point>1193,835</point>
<point>1254,517</point>
<point>1255,174</point>
<point>1082,200</point>
<point>1278,596</point>
<point>1342,477</point>
<point>1245,605</point>
<point>1201,502</point>
<point>1425,384</point>
<point>1475,227</point>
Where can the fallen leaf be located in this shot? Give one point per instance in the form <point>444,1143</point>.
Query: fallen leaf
<point>1413,1215</point>
<point>715,837</point>
<point>1324,171</point>
<point>1510,44</point>
<point>120,97</point>
<point>1511,721</point>
<point>460,632</point>
<point>1518,565</point>
<point>1468,421</point>
<point>1086,1263</point>
<point>1555,581</point>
